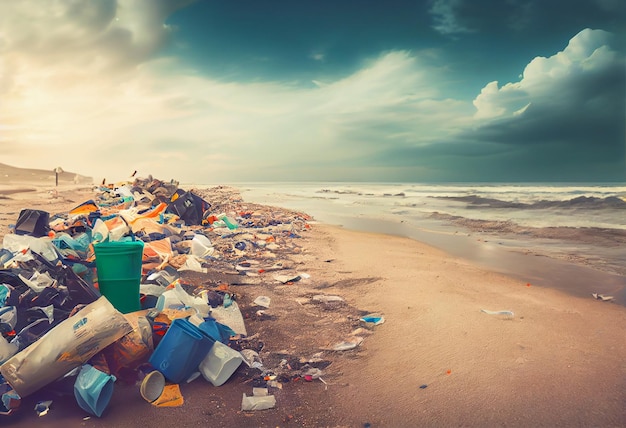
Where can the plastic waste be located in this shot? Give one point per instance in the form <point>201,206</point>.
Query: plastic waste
<point>170,397</point>
<point>348,344</point>
<point>230,316</point>
<point>191,263</point>
<point>177,297</point>
<point>181,350</point>
<point>5,256</point>
<point>119,266</point>
<point>37,282</point>
<point>100,232</point>
<point>290,278</point>
<point>227,300</point>
<point>252,358</point>
<point>201,246</point>
<point>93,390</point>
<point>152,386</point>
<point>220,364</point>
<point>260,400</point>
<point>262,301</point>
<point>8,316</point>
<point>602,297</point>
<point>9,400</point>
<point>499,314</point>
<point>7,350</point>
<point>230,223</point>
<point>68,345</point>
<point>164,277</point>
<point>371,320</point>
<point>43,246</point>
<point>219,332</point>
<point>43,407</point>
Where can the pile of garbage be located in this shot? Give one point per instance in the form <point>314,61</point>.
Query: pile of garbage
<point>103,293</point>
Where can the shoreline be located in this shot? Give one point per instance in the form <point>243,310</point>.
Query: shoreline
<point>436,361</point>
<point>485,251</point>
<point>545,367</point>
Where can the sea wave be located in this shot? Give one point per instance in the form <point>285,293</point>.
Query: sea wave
<point>580,202</point>
<point>358,193</point>
<point>588,235</point>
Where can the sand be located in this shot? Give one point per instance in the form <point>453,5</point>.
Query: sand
<point>436,361</point>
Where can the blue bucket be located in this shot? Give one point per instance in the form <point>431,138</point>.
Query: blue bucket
<point>181,350</point>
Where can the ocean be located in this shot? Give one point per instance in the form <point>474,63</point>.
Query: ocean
<point>566,236</point>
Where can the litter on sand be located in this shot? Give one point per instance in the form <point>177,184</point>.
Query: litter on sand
<point>602,297</point>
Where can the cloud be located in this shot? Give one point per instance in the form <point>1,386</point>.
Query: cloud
<point>318,56</point>
<point>585,74</point>
<point>445,17</point>
<point>534,19</point>
<point>566,115</point>
<point>68,65</point>
<point>128,109</point>
<point>563,121</point>
<point>85,85</point>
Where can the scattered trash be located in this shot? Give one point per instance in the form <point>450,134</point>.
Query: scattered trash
<point>43,407</point>
<point>291,278</point>
<point>602,297</point>
<point>67,346</point>
<point>112,290</point>
<point>93,390</point>
<point>262,301</point>
<point>220,363</point>
<point>230,316</point>
<point>251,358</point>
<point>152,386</point>
<point>170,397</point>
<point>328,301</point>
<point>347,344</point>
<point>259,400</point>
<point>371,320</point>
<point>499,314</point>
<point>9,400</point>
<point>181,350</point>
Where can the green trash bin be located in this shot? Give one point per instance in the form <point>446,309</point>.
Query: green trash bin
<point>119,273</point>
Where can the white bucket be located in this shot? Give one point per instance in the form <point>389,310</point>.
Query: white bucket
<point>220,363</point>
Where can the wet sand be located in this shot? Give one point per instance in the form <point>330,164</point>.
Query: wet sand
<point>436,361</point>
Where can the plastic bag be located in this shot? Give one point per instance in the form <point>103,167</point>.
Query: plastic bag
<point>133,349</point>
<point>260,400</point>
<point>93,390</point>
<point>68,345</point>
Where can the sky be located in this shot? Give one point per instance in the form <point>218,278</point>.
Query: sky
<point>233,91</point>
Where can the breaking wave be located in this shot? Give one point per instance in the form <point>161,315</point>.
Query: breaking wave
<point>590,235</point>
<point>584,202</point>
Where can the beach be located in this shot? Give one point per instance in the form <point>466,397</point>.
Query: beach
<point>441,358</point>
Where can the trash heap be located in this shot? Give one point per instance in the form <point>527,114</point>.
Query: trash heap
<point>136,285</point>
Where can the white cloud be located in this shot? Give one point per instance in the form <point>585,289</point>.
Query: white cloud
<point>90,92</point>
<point>549,80</point>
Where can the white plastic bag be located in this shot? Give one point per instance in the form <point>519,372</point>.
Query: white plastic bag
<point>68,345</point>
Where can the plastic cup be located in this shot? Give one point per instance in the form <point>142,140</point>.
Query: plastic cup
<point>152,386</point>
